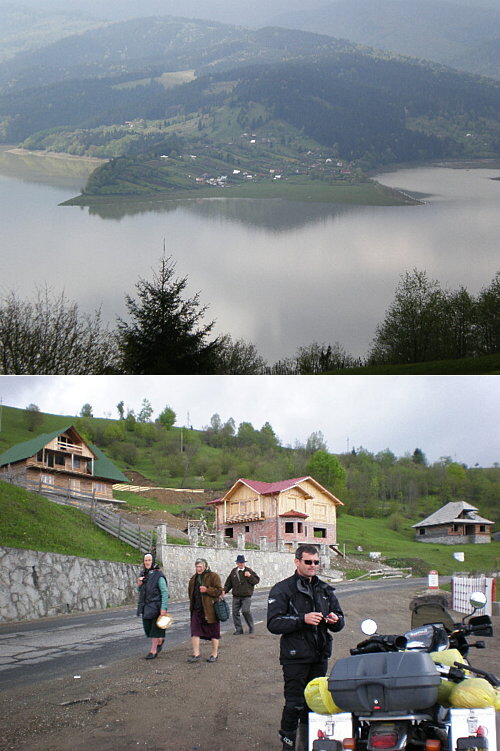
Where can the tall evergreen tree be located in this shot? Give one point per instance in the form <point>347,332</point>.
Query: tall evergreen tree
<point>166,334</point>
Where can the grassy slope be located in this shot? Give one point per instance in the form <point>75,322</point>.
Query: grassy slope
<point>488,364</point>
<point>402,548</point>
<point>31,522</point>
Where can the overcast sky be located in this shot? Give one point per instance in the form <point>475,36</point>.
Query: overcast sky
<point>456,416</point>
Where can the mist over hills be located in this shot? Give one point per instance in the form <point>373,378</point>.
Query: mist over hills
<point>206,82</point>
<point>461,33</point>
<point>446,31</point>
<point>360,103</point>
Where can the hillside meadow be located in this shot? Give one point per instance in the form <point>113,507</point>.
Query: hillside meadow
<point>32,522</point>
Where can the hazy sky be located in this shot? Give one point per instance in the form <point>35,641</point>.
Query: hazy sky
<point>456,416</point>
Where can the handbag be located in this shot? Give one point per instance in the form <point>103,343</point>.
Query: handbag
<point>164,621</point>
<point>221,609</point>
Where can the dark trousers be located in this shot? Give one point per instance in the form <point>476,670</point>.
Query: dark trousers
<point>296,677</point>
<point>242,605</point>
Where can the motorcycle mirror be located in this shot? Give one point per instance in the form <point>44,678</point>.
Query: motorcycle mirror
<point>369,626</point>
<point>477,600</point>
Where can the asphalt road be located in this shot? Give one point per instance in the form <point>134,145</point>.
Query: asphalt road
<point>49,648</point>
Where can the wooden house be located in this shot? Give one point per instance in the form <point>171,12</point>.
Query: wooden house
<point>456,523</point>
<point>63,460</point>
<point>290,512</point>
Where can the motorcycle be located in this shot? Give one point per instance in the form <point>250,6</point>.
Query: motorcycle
<point>387,691</point>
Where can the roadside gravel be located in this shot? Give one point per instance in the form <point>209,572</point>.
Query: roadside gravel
<point>169,705</point>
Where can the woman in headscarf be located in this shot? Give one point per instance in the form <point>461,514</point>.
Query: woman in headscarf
<point>153,601</point>
<point>204,589</point>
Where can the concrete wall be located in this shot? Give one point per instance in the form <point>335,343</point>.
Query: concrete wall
<point>35,584</point>
<point>178,565</point>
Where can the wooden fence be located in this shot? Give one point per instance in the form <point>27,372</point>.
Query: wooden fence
<point>114,524</point>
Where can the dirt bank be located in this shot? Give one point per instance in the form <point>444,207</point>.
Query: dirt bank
<point>169,705</point>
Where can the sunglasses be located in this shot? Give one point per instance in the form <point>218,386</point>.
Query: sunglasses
<point>309,562</point>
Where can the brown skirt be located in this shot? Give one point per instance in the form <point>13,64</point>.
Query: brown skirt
<point>200,627</point>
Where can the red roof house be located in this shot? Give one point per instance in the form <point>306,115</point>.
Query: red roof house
<point>289,512</point>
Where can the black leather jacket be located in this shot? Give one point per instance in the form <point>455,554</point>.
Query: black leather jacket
<point>289,601</point>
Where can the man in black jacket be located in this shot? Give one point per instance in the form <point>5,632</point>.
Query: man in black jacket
<point>303,609</point>
<point>241,581</point>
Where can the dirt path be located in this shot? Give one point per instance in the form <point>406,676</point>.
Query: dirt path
<point>169,705</point>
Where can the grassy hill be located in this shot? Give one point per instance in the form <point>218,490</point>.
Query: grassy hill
<point>31,522</point>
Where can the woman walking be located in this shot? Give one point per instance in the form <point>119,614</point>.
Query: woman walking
<point>153,601</point>
<point>204,589</point>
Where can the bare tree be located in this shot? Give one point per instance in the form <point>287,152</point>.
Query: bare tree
<point>237,357</point>
<point>50,336</point>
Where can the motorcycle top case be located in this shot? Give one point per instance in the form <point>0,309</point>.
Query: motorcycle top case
<point>384,682</point>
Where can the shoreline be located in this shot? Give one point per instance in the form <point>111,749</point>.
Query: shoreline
<point>54,155</point>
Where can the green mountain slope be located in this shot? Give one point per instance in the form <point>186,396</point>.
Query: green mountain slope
<point>143,81</point>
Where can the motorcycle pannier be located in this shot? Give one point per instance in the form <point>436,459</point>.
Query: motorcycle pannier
<point>384,681</point>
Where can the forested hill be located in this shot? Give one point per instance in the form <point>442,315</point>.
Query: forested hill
<point>369,484</point>
<point>128,88</point>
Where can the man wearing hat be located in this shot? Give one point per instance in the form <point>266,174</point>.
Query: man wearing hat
<point>241,581</point>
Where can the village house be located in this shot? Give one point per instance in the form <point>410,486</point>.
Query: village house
<point>456,523</point>
<point>289,512</point>
<point>62,459</point>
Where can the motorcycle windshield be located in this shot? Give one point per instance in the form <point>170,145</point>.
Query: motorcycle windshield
<point>429,638</point>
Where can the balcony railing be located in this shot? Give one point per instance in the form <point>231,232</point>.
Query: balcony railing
<point>72,448</point>
<point>253,517</point>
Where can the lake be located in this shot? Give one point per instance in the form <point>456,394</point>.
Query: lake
<point>278,274</point>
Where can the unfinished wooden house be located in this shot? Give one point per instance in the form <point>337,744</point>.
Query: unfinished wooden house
<point>61,459</point>
<point>289,512</point>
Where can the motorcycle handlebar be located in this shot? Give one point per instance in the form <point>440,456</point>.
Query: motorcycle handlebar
<point>377,643</point>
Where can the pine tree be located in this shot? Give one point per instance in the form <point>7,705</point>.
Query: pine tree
<point>166,334</point>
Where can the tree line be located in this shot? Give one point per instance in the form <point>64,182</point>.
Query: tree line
<point>167,333</point>
<point>369,484</point>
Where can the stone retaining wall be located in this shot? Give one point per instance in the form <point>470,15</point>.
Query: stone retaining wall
<point>35,584</point>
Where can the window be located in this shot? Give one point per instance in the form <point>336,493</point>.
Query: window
<point>421,531</point>
<point>247,529</point>
<point>60,460</point>
<point>39,456</point>
<point>47,479</point>
<point>319,532</point>
<point>99,487</point>
<point>74,484</point>
<point>288,528</point>
<point>228,532</point>
<point>76,462</point>
<point>299,527</point>
<point>482,528</point>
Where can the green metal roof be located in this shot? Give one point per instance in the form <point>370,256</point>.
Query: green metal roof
<point>103,467</point>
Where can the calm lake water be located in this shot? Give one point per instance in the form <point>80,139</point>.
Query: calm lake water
<point>279,274</point>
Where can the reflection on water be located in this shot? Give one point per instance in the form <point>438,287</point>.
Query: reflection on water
<point>272,214</point>
<point>280,274</point>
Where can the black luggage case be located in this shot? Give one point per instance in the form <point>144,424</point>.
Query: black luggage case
<point>384,681</point>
